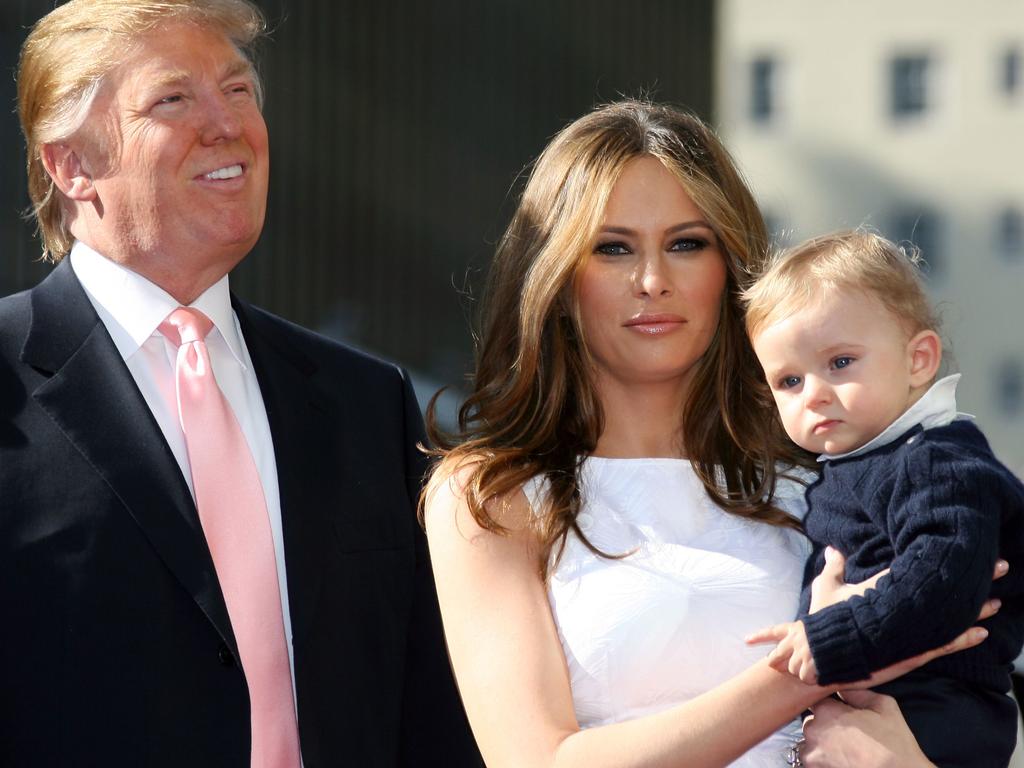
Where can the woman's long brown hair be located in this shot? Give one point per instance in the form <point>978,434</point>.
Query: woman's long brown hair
<point>533,410</point>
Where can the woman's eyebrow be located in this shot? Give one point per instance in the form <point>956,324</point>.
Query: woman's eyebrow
<point>617,230</point>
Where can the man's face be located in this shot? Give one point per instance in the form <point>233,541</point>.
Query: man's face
<point>179,159</point>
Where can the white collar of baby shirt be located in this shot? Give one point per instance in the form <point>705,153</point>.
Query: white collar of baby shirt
<point>935,408</point>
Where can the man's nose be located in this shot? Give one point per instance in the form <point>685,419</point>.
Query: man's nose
<point>221,121</point>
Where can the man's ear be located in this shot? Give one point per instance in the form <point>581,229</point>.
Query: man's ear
<point>924,352</point>
<point>65,167</point>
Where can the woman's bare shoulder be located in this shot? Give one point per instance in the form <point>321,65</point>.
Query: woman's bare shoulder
<point>447,505</point>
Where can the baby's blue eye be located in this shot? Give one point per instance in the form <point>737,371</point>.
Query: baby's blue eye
<point>842,362</point>
<point>788,382</point>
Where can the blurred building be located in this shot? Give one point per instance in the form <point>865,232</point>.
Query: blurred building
<point>907,117</point>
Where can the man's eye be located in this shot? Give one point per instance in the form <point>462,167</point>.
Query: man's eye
<point>611,249</point>
<point>842,362</point>
<point>171,99</point>
<point>788,382</point>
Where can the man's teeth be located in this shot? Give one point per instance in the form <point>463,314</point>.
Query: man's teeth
<point>225,173</point>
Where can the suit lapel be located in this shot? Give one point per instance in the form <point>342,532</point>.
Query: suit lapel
<point>93,399</point>
<point>297,413</point>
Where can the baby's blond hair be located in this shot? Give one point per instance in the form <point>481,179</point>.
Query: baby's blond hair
<point>849,259</point>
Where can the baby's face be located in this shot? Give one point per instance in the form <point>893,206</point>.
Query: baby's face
<point>840,371</point>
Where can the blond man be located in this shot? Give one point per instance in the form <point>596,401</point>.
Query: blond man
<point>208,548</point>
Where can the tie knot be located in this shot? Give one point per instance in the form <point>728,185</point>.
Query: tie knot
<point>185,325</point>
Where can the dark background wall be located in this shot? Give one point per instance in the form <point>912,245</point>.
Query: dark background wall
<point>398,131</point>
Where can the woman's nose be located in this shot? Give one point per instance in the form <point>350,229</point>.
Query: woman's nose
<point>651,279</point>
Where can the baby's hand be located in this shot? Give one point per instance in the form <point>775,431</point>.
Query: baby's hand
<point>792,654</point>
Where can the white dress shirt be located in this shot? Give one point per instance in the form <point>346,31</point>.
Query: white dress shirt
<point>132,308</point>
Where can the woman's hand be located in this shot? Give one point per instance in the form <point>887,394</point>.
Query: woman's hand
<point>827,588</point>
<point>867,731</point>
<point>830,587</point>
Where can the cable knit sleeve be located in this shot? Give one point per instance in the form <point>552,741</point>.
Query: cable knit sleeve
<point>942,519</point>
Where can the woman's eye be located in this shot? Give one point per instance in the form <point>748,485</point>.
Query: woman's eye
<point>788,382</point>
<point>688,244</point>
<point>611,249</point>
<point>174,99</point>
<point>842,362</point>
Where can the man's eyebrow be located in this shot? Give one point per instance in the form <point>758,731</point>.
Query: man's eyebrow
<point>169,78</point>
<point>177,77</point>
<point>239,67</point>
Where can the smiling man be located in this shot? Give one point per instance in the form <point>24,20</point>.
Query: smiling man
<point>208,547</point>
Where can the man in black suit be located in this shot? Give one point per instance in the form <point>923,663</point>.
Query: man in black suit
<point>148,168</point>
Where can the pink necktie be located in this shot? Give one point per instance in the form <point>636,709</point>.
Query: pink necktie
<point>233,513</point>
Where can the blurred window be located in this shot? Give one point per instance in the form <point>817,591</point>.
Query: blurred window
<point>923,228</point>
<point>1010,387</point>
<point>909,85</point>
<point>1010,72</point>
<point>1010,234</point>
<point>763,77</point>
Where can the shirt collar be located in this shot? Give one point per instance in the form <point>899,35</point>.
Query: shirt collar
<point>132,307</point>
<point>935,408</point>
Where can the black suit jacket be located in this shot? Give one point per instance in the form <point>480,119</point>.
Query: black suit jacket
<point>116,648</point>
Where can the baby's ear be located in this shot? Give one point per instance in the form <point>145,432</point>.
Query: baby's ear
<point>924,352</point>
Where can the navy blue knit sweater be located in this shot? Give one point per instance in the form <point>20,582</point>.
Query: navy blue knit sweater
<point>937,507</point>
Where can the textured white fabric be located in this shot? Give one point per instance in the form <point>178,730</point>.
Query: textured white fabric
<point>666,623</point>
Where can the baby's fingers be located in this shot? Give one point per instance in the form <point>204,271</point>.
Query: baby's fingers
<point>778,661</point>
<point>767,635</point>
<point>808,673</point>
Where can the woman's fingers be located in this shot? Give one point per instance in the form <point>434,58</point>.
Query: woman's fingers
<point>866,730</point>
<point>1002,568</point>
<point>963,641</point>
<point>989,608</point>
<point>868,699</point>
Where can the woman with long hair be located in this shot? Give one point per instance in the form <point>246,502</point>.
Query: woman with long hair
<point>620,506</point>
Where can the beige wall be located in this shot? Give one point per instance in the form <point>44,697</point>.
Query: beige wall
<point>833,156</point>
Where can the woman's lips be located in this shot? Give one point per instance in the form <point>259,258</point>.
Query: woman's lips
<point>654,324</point>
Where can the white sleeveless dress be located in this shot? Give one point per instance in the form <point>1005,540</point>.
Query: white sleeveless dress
<point>667,622</point>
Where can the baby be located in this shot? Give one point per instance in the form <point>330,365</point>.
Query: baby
<point>848,343</point>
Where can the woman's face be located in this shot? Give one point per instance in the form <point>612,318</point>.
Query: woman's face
<point>650,291</point>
